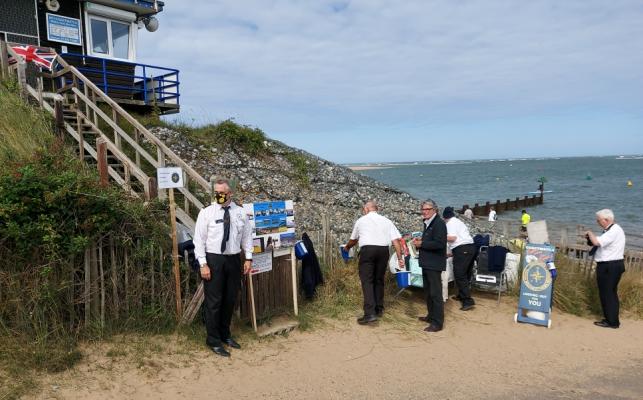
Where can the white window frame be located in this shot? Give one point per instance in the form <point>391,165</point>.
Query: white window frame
<point>133,30</point>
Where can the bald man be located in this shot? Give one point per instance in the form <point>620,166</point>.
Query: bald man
<point>374,233</point>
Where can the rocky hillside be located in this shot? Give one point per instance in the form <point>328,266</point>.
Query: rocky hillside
<point>318,187</point>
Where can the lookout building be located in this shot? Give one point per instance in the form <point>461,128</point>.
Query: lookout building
<point>99,38</point>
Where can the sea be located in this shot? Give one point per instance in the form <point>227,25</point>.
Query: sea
<point>579,186</point>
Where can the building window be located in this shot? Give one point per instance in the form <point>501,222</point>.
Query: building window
<point>110,38</point>
<point>99,36</point>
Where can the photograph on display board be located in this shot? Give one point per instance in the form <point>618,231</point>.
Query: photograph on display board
<point>257,245</point>
<point>273,222</point>
<point>288,239</point>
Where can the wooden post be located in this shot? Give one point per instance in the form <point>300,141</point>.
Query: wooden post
<point>21,69</point>
<point>114,273</point>
<point>126,282</point>
<point>293,266</point>
<point>102,283</point>
<point>152,189</point>
<point>4,60</point>
<point>102,162</point>
<point>60,121</point>
<point>253,314</point>
<point>87,292</point>
<point>175,255</point>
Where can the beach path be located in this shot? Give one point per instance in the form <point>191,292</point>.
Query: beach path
<point>480,354</point>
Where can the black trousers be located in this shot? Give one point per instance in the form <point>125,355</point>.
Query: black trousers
<point>608,274</point>
<point>463,257</point>
<point>372,268</point>
<point>221,295</point>
<point>432,281</point>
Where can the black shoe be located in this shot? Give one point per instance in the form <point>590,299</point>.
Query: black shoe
<point>605,324</point>
<point>467,307</point>
<point>366,319</point>
<point>220,351</point>
<point>232,343</point>
<point>423,319</point>
<point>432,328</point>
<point>379,313</point>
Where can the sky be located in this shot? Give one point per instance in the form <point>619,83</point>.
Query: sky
<point>390,81</point>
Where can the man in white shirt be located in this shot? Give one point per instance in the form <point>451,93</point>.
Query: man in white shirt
<point>461,246</point>
<point>222,231</point>
<point>492,215</point>
<point>374,233</point>
<point>610,247</point>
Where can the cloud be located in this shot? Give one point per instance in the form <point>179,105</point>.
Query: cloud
<point>289,65</point>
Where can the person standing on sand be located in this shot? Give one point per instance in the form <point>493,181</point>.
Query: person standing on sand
<point>374,233</point>
<point>492,215</point>
<point>524,220</point>
<point>433,260</point>
<point>463,250</point>
<point>468,213</point>
<point>610,247</point>
<point>222,231</point>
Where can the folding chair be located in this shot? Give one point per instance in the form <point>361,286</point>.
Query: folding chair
<point>485,279</point>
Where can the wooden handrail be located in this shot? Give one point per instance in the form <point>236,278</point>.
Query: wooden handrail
<point>148,135</point>
<point>115,126</point>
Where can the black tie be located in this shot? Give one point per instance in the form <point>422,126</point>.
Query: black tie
<point>226,228</point>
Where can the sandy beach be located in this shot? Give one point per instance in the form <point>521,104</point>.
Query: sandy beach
<point>479,354</point>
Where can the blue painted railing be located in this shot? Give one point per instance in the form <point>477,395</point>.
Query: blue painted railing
<point>149,83</point>
<point>141,3</point>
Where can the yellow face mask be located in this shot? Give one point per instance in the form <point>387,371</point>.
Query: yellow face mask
<point>221,198</point>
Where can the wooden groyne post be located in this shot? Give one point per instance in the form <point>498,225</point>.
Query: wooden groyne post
<point>507,205</point>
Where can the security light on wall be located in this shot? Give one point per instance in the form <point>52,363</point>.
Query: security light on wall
<point>52,5</point>
<point>151,24</point>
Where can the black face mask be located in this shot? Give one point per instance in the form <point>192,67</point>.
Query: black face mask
<point>221,198</point>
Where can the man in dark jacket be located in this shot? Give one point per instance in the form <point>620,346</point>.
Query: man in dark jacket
<point>433,260</point>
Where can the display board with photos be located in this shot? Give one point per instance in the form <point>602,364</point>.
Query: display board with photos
<point>273,224</point>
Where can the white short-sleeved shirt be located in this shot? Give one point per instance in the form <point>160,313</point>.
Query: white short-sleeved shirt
<point>374,230</point>
<point>492,215</point>
<point>612,244</point>
<point>468,213</point>
<point>208,233</point>
<point>457,228</point>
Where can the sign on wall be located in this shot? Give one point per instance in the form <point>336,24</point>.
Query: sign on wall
<point>273,224</point>
<point>63,29</point>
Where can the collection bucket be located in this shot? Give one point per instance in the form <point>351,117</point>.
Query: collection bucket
<point>403,279</point>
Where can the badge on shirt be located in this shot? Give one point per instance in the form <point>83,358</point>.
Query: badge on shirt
<point>219,221</point>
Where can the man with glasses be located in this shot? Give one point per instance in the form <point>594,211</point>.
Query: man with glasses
<point>222,231</point>
<point>374,233</point>
<point>433,261</point>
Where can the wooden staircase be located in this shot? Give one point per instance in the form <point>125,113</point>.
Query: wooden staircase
<point>123,150</point>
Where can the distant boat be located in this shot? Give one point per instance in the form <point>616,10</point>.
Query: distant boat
<point>588,177</point>
<point>629,183</point>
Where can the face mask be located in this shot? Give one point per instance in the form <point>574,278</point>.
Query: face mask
<point>221,198</point>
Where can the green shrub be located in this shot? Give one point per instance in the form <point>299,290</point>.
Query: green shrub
<point>243,137</point>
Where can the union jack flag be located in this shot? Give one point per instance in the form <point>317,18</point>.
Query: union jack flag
<point>44,58</point>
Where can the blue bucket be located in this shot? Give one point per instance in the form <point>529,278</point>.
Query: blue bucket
<point>403,279</point>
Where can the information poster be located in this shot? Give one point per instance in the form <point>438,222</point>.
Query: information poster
<point>63,29</point>
<point>273,224</point>
<point>261,263</point>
